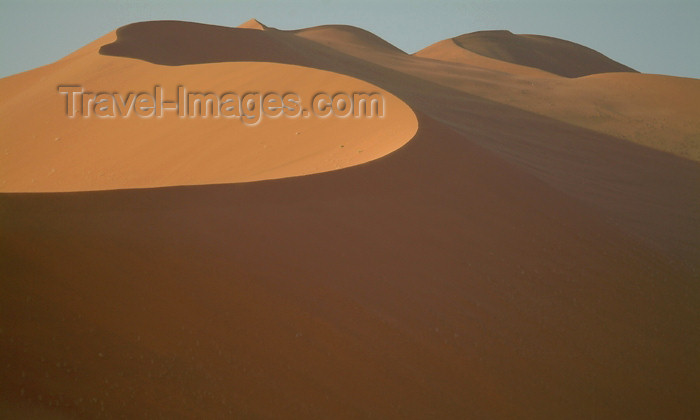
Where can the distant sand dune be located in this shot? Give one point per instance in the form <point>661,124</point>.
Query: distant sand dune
<point>252,24</point>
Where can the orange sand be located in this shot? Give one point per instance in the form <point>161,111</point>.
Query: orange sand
<point>524,255</point>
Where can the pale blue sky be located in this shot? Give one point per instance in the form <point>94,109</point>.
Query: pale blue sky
<point>652,36</point>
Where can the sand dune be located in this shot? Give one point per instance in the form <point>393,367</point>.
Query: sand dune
<point>46,151</point>
<point>653,110</point>
<point>448,50</point>
<point>513,259</point>
<point>553,55</point>
<point>339,36</point>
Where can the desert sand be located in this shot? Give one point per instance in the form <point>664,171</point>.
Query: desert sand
<point>512,241</point>
<point>46,151</point>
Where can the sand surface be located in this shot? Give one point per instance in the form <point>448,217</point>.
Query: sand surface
<point>487,255</point>
<point>553,55</point>
<point>45,151</point>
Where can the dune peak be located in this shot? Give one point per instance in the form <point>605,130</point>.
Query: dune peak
<point>253,24</point>
<point>554,55</point>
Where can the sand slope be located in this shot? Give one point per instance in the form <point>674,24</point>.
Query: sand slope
<point>345,36</point>
<point>502,263</point>
<point>46,151</point>
<point>546,53</point>
<point>448,50</point>
<point>653,110</point>
<point>443,289</point>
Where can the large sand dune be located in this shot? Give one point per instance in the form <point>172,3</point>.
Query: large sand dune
<point>513,259</point>
<point>46,151</point>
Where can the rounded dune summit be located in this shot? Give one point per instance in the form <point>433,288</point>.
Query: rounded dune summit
<point>531,252</point>
<point>347,36</point>
<point>553,55</point>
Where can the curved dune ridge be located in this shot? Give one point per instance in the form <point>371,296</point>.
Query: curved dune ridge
<point>652,110</point>
<point>47,151</point>
<point>447,50</point>
<point>531,252</point>
<point>553,55</point>
<point>339,35</point>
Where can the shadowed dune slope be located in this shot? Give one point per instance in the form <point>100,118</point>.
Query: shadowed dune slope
<point>501,264</point>
<point>437,283</point>
<point>345,35</point>
<point>447,50</point>
<point>553,55</point>
<point>175,43</point>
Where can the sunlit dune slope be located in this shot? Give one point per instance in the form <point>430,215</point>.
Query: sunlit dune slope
<point>253,24</point>
<point>449,51</point>
<point>176,43</point>
<point>44,150</point>
<point>655,111</point>
<point>652,110</point>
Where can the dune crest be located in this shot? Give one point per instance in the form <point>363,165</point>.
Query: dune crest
<point>253,24</point>
<point>557,56</point>
<point>347,36</point>
<point>176,43</point>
